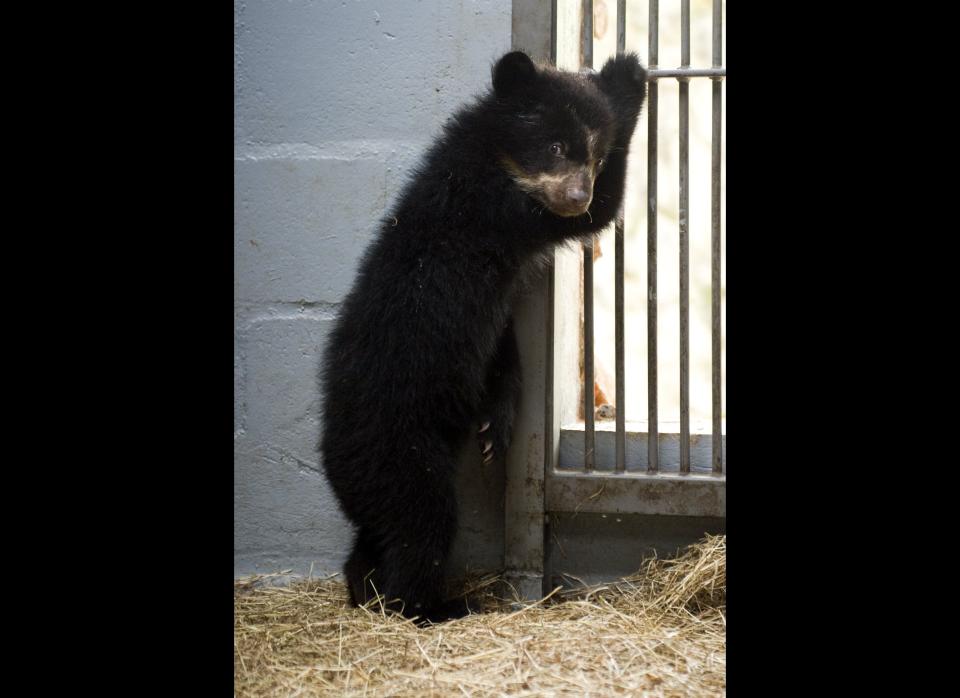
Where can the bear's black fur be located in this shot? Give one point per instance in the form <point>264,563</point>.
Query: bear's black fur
<point>423,349</point>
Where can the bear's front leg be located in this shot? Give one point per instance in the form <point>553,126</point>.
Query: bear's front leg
<point>502,398</point>
<point>624,80</point>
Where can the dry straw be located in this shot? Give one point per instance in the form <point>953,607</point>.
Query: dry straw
<point>658,633</point>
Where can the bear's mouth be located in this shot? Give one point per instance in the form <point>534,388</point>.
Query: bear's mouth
<point>567,211</point>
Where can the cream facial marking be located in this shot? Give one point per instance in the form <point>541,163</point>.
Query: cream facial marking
<point>592,139</point>
<point>553,189</point>
<point>536,181</point>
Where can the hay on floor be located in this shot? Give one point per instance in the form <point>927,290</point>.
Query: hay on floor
<point>659,633</point>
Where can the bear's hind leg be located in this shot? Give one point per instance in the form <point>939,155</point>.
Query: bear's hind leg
<point>359,570</point>
<point>415,551</point>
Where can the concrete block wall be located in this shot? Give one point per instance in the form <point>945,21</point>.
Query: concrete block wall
<point>334,103</point>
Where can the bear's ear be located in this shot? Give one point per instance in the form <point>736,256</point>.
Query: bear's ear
<point>512,73</point>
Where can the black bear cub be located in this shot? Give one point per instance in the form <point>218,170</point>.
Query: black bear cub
<point>423,353</point>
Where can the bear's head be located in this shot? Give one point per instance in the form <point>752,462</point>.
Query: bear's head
<point>557,130</point>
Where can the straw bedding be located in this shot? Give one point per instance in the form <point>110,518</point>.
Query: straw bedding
<point>658,633</point>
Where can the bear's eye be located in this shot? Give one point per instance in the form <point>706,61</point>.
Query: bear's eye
<point>556,149</point>
<point>600,163</point>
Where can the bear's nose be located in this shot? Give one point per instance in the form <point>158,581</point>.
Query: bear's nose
<point>577,195</point>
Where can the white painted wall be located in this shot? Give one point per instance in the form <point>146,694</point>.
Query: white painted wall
<point>333,103</point>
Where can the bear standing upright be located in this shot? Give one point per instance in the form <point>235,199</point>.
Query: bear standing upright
<point>423,351</point>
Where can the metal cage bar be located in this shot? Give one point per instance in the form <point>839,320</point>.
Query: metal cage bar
<point>715,236</point>
<point>589,432</point>
<point>619,465</point>
<point>658,73</point>
<point>684,232</point>
<point>588,377</point>
<point>653,460</point>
